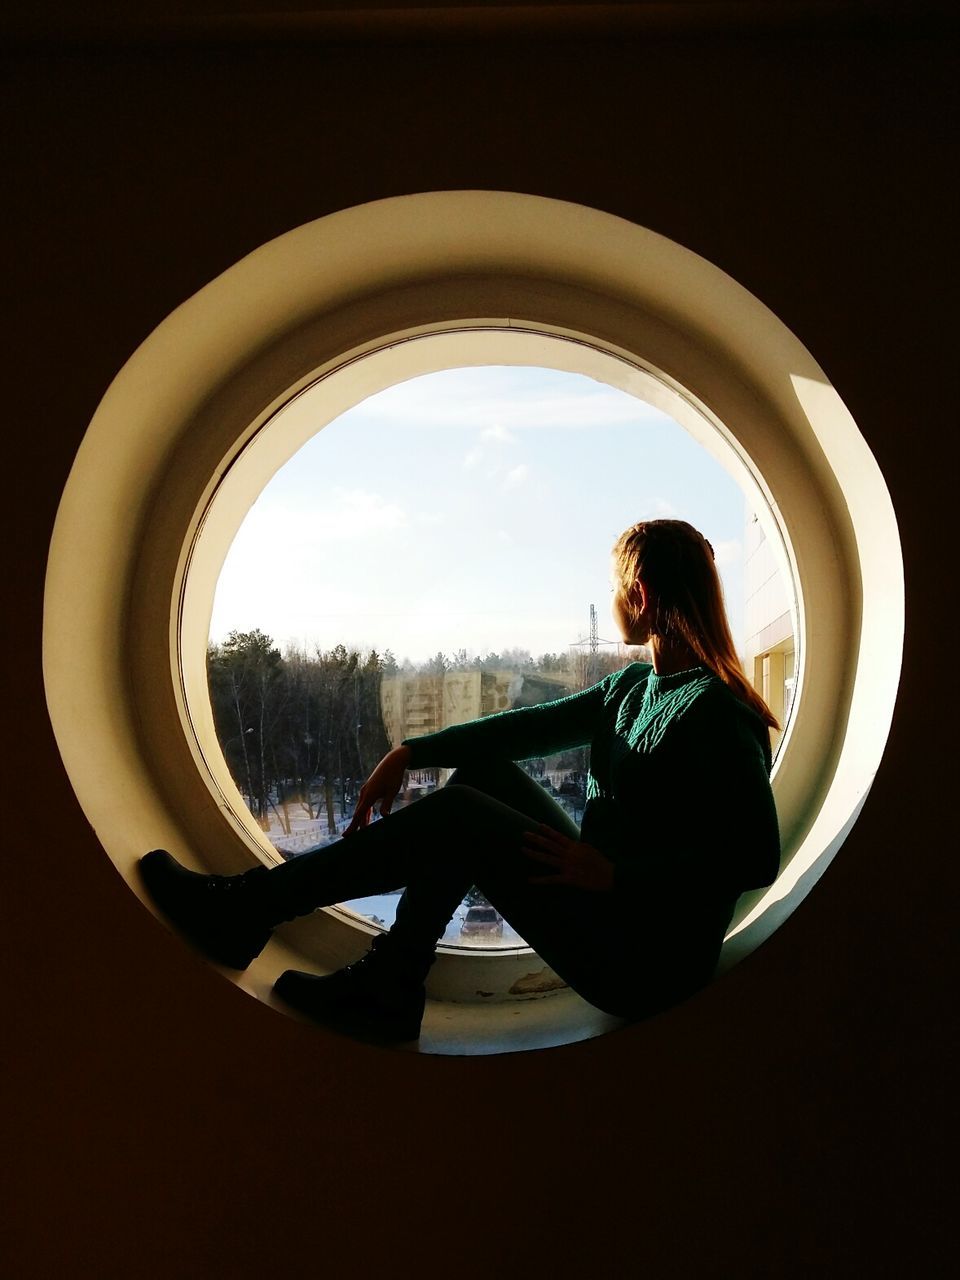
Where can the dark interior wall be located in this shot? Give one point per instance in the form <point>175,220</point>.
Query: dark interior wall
<point>787,1122</point>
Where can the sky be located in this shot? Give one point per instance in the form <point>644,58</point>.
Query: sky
<point>469,509</point>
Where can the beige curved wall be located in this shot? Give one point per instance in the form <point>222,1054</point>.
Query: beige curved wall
<point>450,279</point>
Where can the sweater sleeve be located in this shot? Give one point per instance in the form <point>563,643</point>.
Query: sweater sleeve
<point>726,832</point>
<point>517,735</point>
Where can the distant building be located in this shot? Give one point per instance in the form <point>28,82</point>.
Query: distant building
<point>769,647</point>
<point>414,705</point>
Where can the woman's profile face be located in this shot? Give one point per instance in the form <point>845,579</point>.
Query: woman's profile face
<point>632,630</point>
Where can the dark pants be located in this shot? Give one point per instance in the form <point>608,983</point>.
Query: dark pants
<point>613,950</point>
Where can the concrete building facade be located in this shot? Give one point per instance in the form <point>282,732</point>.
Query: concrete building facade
<point>418,704</point>
<point>769,656</point>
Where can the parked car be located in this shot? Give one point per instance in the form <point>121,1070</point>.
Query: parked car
<point>482,922</point>
<point>573,785</point>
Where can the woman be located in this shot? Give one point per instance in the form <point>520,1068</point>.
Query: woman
<point>631,910</point>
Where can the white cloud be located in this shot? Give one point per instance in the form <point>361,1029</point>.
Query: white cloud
<point>495,435</point>
<point>335,515</point>
<point>466,398</point>
<point>515,476</point>
<point>498,433</point>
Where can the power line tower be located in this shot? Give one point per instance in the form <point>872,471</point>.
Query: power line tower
<point>594,659</point>
<point>591,667</point>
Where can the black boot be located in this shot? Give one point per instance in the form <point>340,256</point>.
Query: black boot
<point>380,998</point>
<point>222,916</point>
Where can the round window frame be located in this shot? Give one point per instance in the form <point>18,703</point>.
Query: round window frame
<point>285,428</point>
<point>179,417</point>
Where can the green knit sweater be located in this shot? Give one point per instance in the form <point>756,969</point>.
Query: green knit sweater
<point>678,794</point>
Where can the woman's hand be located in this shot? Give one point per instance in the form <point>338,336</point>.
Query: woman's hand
<point>382,785</point>
<point>573,863</point>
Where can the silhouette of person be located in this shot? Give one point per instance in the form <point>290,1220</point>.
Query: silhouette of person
<point>630,910</point>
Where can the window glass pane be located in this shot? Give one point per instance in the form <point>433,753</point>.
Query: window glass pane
<point>441,552</point>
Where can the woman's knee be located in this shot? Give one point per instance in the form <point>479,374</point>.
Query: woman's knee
<point>453,793</point>
<point>456,798</point>
<point>488,776</point>
<point>505,781</point>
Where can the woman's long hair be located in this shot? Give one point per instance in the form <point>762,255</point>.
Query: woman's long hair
<point>676,564</point>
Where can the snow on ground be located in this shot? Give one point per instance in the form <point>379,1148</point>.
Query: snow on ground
<point>382,909</point>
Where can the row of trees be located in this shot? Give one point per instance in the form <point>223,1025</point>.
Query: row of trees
<point>297,727</point>
<point>285,721</point>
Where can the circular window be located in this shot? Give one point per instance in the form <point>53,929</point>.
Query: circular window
<point>406,570</point>
<point>213,403</point>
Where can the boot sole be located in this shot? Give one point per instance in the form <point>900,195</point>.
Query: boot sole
<point>342,1009</point>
